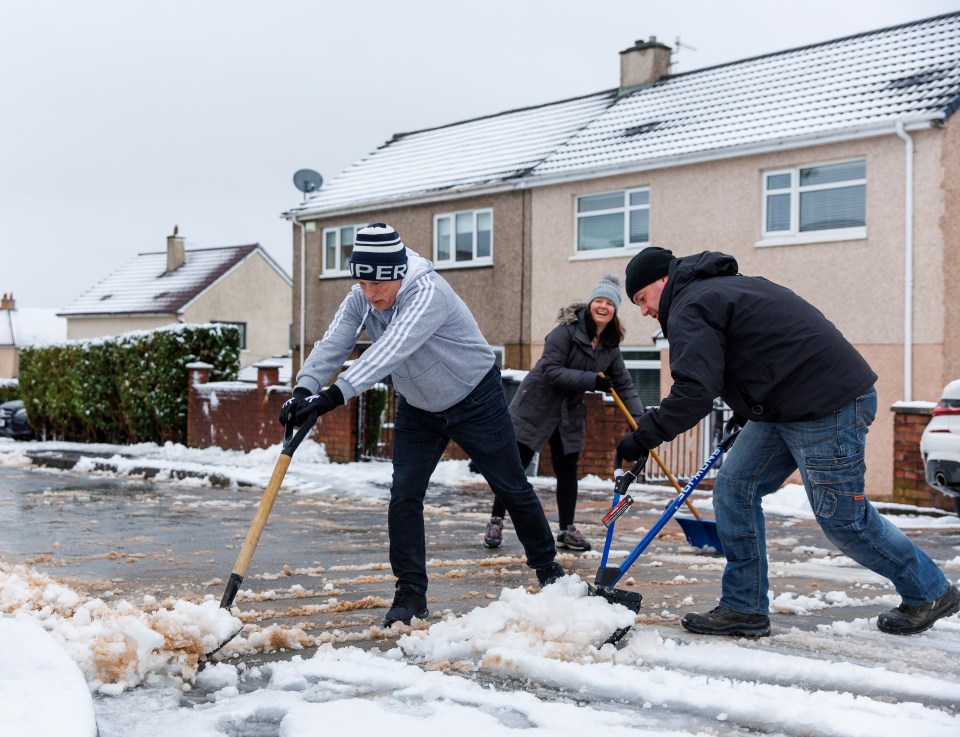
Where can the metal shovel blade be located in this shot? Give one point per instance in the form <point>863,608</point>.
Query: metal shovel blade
<point>701,533</point>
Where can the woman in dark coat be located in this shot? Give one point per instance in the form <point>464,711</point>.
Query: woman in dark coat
<point>548,406</point>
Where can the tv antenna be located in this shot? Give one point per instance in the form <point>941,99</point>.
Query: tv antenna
<point>677,46</point>
<point>307,181</point>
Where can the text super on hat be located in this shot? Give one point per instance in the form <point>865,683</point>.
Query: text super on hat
<point>378,254</point>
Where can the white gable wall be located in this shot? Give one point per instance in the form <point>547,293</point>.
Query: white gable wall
<point>254,293</point>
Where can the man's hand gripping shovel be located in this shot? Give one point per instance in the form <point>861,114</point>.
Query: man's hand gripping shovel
<point>291,441</point>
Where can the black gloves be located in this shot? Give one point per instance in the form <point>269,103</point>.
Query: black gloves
<point>602,384</point>
<point>630,450</point>
<point>303,406</point>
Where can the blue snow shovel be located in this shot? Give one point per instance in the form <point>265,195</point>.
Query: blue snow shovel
<point>608,576</point>
<point>700,532</point>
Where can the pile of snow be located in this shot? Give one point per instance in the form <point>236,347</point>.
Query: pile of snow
<point>118,646</point>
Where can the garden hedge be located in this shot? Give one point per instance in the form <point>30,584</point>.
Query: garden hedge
<point>124,389</point>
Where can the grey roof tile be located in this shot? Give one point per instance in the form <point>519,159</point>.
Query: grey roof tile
<point>845,87</point>
<point>143,285</point>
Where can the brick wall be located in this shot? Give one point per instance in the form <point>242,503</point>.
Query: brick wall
<point>909,481</point>
<point>243,416</point>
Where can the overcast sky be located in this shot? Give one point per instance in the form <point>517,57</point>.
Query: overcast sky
<point>123,118</point>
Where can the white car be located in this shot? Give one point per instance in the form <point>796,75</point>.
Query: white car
<point>940,444</point>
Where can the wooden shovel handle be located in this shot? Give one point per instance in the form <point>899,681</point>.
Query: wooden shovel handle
<point>653,453</point>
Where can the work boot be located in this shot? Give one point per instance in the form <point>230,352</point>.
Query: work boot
<point>494,534</point>
<point>573,539</point>
<point>408,602</point>
<point>909,620</point>
<point>720,621</point>
<point>549,573</point>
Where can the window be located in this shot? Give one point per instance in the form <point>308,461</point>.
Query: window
<point>613,220</point>
<point>814,199</point>
<point>241,326</point>
<point>337,247</point>
<point>643,365</point>
<point>463,238</point>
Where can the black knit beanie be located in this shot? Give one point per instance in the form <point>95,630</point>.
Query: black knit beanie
<point>646,267</point>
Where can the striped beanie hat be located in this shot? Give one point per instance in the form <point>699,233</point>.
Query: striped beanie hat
<point>378,254</point>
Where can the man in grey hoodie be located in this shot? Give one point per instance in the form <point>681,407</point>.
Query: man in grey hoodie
<point>448,384</point>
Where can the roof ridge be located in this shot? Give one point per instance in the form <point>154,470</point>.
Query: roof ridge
<point>826,42</point>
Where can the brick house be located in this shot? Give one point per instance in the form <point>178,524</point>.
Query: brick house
<point>830,168</point>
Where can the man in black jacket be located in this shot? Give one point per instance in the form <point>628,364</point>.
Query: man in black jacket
<point>805,398</point>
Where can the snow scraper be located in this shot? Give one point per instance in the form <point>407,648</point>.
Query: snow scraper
<point>700,532</point>
<point>608,576</point>
<point>291,441</point>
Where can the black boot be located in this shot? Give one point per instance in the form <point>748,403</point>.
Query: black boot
<point>408,602</point>
<point>909,620</point>
<point>722,621</point>
<point>549,573</point>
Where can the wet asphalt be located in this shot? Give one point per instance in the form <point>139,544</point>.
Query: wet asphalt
<point>322,565</point>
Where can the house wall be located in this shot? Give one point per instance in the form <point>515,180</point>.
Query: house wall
<point>858,284</point>
<point>9,363</point>
<point>497,296</point>
<point>254,293</point>
<point>80,328</point>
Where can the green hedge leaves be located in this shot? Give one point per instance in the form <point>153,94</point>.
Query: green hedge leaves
<point>124,389</point>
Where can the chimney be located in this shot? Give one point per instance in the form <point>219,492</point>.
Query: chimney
<point>7,302</point>
<point>643,64</point>
<point>175,252</point>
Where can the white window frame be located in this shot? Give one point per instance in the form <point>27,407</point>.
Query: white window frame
<point>643,364</point>
<point>626,209</point>
<point>451,262</point>
<point>337,270</point>
<point>793,235</point>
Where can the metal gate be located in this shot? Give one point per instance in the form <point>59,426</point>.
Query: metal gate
<point>376,412</point>
<point>685,454</point>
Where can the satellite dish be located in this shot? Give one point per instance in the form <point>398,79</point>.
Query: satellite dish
<point>307,181</point>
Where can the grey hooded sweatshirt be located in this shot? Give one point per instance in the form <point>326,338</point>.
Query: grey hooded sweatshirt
<point>429,343</point>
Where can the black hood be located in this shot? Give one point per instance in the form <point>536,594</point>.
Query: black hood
<point>687,269</point>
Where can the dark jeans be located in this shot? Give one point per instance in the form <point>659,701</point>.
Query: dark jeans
<point>565,468</point>
<point>829,452</point>
<point>481,425</point>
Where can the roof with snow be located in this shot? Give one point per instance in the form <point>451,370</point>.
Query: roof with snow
<point>144,286</point>
<point>31,326</point>
<point>851,87</point>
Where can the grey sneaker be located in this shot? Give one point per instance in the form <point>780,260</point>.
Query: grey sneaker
<point>573,539</point>
<point>909,620</point>
<point>494,534</point>
<point>720,621</point>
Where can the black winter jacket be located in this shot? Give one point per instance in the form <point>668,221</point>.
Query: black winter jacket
<point>551,394</point>
<point>770,355</point>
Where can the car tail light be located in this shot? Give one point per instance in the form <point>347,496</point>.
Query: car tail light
<point>944,409</point>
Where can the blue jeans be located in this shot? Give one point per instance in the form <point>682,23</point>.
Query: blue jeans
<point>481,425</point>
<point>829,452</point>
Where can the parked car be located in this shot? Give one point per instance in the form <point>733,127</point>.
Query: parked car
<point>13,421</point>
<point>940,445</point>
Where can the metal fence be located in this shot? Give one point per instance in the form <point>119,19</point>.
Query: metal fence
<point>685,454</point>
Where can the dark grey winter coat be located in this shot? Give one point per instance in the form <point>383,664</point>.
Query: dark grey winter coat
<point>551,395</point>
